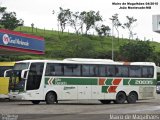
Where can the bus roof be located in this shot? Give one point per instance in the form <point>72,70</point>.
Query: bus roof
<point>90,61</point>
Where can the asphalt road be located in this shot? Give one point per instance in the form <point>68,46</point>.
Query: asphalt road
<point>80,110</point>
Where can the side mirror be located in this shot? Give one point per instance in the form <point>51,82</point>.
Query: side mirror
<point>24,73</point>
<point>7,73</point>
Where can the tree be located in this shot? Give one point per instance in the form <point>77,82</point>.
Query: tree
<point>116,23</point>
<point>138,51</point>
<point>103,30</point>
<point>2,9</point>
<point>9,21</point>
<point>75,21</point>
<point>82,18</point>
<point>129,26</point>
<point>156,58</point>
<point>90,18</point>
<point>63,18</point>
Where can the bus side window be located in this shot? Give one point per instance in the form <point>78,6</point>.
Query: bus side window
<point>68,70</point>
<point>147,71</point>
<point>121,71</point>
<point>135,71</point>
<point>76,70</point>
<point>85,70</point>
<point>59,69</point>
<point>93,70</point>
<point>47,72</point>
<point>111,71</point>
<point>102,70</point>
<point>52,71</point>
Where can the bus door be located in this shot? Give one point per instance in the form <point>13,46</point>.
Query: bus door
<point>34,80</point>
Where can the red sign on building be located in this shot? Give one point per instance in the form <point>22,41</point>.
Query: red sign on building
<point>12,42</point>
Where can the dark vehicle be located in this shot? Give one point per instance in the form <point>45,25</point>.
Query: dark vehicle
<point>158,87</point>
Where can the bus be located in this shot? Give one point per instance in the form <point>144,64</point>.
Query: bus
<point>79,79</point>
<point>4,81</point>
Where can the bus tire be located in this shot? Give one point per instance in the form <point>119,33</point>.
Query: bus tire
<point>105,101</point>
<point>35,102</point>
<point>120,98</point>
<point>132,97</point>
<point>50,98</point>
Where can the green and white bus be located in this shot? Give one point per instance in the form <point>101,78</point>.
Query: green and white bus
<point>78,78</point>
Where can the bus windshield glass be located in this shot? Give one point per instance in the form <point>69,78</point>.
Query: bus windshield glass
<point>16,82</point>
<point>21,66</point>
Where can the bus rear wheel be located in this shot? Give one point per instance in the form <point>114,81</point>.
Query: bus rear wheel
<point>120,98</point>
<point>50,98</point>
<point>105,101</point>
<point>35,102</point>
<point>132,97</point>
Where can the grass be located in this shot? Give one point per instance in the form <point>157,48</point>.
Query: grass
<point>67,45</point>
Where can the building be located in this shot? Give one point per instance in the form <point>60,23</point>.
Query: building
<point>12,42</point>
<point>156,23</point>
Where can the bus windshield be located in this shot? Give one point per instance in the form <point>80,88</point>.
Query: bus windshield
<point>21,66</point>
<point>16,82</point>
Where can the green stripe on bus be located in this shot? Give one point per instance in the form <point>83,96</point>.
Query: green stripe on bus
<point>72,81</point>
<point>125,81</point>
<point>95,81</point>
<point>139,82</point>
<point>105,89</point>
<point>108,82</point>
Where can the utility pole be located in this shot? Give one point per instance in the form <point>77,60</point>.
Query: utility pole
<point>113,23</point>
<point>112,39</point>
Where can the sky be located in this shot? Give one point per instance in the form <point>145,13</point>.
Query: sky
<point>39,12</point>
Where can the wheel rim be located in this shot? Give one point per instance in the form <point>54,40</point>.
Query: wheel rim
<point>121,98</point>
<point>51,98</point>
<point>132,98</point>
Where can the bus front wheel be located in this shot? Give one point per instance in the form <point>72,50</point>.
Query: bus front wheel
<point>120,98</point>
<point>132,97</point>
<point>50,98</point>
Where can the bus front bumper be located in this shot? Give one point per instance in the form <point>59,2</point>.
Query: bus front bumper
<point>16,96</point>
<point>4,96</point>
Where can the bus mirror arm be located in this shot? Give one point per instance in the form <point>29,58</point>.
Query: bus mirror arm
<point>6,72</point>
<point>24,73</point>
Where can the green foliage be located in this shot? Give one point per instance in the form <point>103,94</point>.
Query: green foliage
<point>116,23</point>
<point>129,25</point>
<point>156,57</point>
<point>9,21</point>
<point>139,51</point>
<point>103,30</point>
<point>67,45</point>
<point>14,58</point>
<point>90,18</point>
<point>75,21</point>
<point>2,9</point>
<point>63,17</point>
